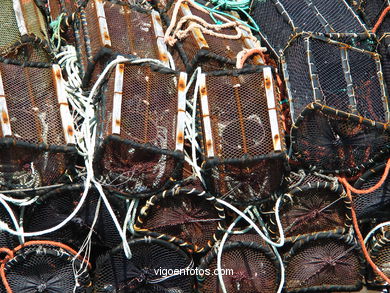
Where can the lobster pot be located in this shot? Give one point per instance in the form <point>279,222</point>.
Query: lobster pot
<point>312,208</point>
<point>55,206</point>
<point>191,219</point>
<point>44,266</point>
<point>242,134</point>
<point>150,269</point>
<point>207,51</point>
<point>124,29</point>
<point>375,204</point>
<point>280,20</point>
<point>380,255</point>
<point>19,18</point>
<point>332,141</point>
<point>247,267</point>
<point>324,262</point>
<point>342,77</point>
<point>37,135</point>
<point>142,129</point>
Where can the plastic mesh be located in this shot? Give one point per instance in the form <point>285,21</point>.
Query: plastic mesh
<point>374,204</point>
<point>319,136</point>
<point>130,30</point>
<point>247,268</point>
<point>60,204</point>
<point>115,273</point>
<point>142,158</point>
<point>43,268</point>
<point>247,167</point>
<point>363,96</point>
<point>187,217</point>
<point>35,121</point>
<point>324,263</point>
<point>313,210</point>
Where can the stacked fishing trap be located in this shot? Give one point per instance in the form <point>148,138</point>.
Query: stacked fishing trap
<point>194,146</point>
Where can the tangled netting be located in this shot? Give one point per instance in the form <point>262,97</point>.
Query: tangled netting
<point>248,267</point>
<point>149,270</point>
<point>280,20</point>
<point>190,219</point>
<point>43,266</point>
<point>325,262</point>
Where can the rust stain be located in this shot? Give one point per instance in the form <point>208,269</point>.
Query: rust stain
<point>4,117</point>
<point>163,57</point>
<point>267,83</point>
<point>58,74</point>
<point>70,130</point>
<point>117,122</point>
<point>203,91</point>
<point>180,137</point>
<point>106,36</point>
<point>209,144</point>
<point>121,68</point>
<point>276,139</point>
<point>158,19</point>
<point>182,85</point>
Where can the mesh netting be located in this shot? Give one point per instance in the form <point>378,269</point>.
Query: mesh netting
<point>28,51</point>
<point>370,10</point>
<point>43,267</point>
<point>374,204</point>
<point>380,255</point>
<point>57,7</point>
<point>55,207</point>
<point>130,30</point>
<point>188,219</point>
<point>245,167</point>
<point>37,154</point>
<point>280,20</point>
<point>141,274</point>
<point>142,159</point>
<point>311,209</point>
<point>348,79</point>
<point>6,239</point>
<point>248,267</point>
<point>327,262</point>
<point>328,140</point>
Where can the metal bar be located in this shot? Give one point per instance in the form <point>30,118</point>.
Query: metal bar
<point>181,111</point>
<point>103,28</point>
<point>208,136</point>
<point>19,17</point>
<point>5,120</point>
<point>348,80</point>
<point>159,32</point>
<point>117,99</point>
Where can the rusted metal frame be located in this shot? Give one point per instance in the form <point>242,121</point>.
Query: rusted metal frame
<point>181,111</point>
<point>66,117</point>
<point>117,99</point>
<point>196,32</point>
<point>159,33</point>
<point>271,102</point>
<point>103,27</point>
<point>204,102</point>
<point>348,80</point>
<point>5,120</point>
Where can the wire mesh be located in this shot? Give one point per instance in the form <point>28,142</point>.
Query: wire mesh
<point>320,70</point>
<point>191,219</point>
<point>54,207</point>
<point>36,145</point>
<point>374,204</point>
<point>324,262</point>
<point>321,132</point>
<point>141,157</point>
<point>280,20</point>
<point>247,267</point>
<point>43,267</point>
<point>245,144</point>
<point>146,270</point>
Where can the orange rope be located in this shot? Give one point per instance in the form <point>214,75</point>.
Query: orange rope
<point>380,19</point>
<point>248,53</point>
<point>8,251</point>
<point>359,235</point>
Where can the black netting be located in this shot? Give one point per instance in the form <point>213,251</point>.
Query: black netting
<point>44,268</point>
<point>324,262</point>
<point>346,79</point>
<point>370,10</point>
<point>328,142</point>
<point>142,274</point>
<point>58,205</point>
<point>142,158</point>
<point>380,255</point>
<point>248,267</point>
<point>280,20</point>
<point>188,217</point>
<point>7,240</point>
<point>245,167</point>
<point>374,204</point>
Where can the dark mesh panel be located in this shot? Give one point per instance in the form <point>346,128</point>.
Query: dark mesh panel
<point>374,204</point>
<point>148,119</point>
<point>6,239</point>
<point>28,52</point>
<point>187,217</point>
<point>329,142</point>
<point>325,263</point>
<point>380,255</point>
<point>252,268</point>
<point>115,273</point>
<point>43,268</point>
<point>370,10</point>
<point>60,204</point>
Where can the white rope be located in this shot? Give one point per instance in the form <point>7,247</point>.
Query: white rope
<point>13,218</point>
<point>369,235</point>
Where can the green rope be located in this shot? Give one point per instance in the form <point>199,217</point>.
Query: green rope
<point>231,5</point>
<point>55,25</point>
